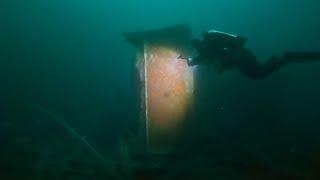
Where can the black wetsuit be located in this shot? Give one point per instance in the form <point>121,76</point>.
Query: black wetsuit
<point>228,56</point>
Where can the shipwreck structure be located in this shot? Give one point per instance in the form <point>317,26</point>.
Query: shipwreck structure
<point>165,84</point>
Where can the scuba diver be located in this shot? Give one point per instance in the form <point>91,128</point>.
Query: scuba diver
<point>227,51</point>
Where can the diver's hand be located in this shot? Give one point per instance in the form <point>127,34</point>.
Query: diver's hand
<point>189,60</point>
<point>182,57</point>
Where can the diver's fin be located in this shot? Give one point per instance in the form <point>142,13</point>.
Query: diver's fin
<point>302,56</point>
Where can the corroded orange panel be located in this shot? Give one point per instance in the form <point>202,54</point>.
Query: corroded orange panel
<point>168,88</point>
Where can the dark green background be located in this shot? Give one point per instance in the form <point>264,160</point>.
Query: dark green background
<point>70,57</point>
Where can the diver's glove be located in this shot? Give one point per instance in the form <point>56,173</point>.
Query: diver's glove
<point>188,59</point>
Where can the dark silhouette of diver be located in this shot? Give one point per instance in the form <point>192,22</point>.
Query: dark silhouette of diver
<point>227,51</point>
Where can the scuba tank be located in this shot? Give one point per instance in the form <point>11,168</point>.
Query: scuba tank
<point>224,40</point>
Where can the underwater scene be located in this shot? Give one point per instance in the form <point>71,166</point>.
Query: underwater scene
<point>159,90</point>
